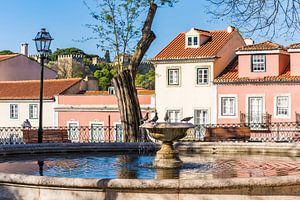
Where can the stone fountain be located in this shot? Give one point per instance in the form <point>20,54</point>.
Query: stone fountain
<point>167,133</point>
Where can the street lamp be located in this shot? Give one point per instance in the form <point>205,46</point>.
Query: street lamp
<point>42,42</point>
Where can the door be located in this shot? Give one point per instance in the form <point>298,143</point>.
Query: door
<point>255,110</point>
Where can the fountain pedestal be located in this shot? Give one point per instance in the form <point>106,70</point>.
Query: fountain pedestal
<point>167,156</point>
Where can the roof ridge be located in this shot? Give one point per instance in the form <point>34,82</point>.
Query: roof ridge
<point>47,80</point>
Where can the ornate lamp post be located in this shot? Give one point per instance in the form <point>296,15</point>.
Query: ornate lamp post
<point>42,42</point>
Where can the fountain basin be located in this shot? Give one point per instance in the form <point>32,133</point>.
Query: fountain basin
<point>167,133</point>
<point>19,186</point>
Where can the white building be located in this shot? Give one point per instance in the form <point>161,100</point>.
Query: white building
<point>185,70</point>
<point>19,100</point>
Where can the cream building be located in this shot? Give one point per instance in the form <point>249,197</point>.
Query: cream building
<point>185,70</point>
<point>19,100</point>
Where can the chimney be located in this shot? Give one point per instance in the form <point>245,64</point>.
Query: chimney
<point>230,29</point>
<point>92,84</point>
<point>24,49</point>
<point>249,41</point>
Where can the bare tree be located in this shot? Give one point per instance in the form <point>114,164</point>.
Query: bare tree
<point>267,18</point>
<point>121,28</point>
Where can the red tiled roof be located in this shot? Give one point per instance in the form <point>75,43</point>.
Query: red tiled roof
<point>176,48</point>
<point>30,89</point>
<point>267,45</point>
<point>8,56</point>
<point>231,72</point>
<point>294,46</point>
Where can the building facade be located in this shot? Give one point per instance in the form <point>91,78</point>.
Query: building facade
<point>262,85</point>
<point>185,70</point>
<point>95,118</point>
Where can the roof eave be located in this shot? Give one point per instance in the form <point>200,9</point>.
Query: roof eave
<point>191,59</point>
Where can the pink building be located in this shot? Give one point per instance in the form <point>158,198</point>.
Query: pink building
<point>262,85</point>
<point>14,67</point>
<point>97,111</point>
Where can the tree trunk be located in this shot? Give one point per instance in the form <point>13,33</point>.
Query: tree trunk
<point>128,105</point>
<point>124,83</point>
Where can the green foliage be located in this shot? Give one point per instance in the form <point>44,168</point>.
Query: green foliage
<point>66,51</point>
<point>6,52</point>
<point>146,81</point>
<point>104,73</point>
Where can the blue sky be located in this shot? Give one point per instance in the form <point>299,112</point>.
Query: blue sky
<point>20,20</point>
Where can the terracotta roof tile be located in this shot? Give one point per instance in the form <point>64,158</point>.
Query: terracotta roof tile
<point>176,48</point>
<point>294,46</point>
<point>8,56</point>
<point>231,72</point>
<point>30,89</point>
<point>267,45</point>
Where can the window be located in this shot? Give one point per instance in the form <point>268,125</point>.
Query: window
<point>228,106</point>
<point>33,111</point>
<point>174,115</point>
<point>201,116</point>
<point>202,76</point>
<point>73,131</point>
<point>118,132</point>
<point>192,41</point>
<point>97,132</point>
<point>258,63</point>
<point>14,113</point>
<point>111,91</point>
<point>282,106</point>
<point>173,76</point>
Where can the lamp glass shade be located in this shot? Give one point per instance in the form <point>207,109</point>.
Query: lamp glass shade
<point>43,41</point>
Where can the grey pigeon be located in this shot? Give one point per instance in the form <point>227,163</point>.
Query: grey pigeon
<point>186,119</point>
<point>145,118</point>
<point>166,118</point>
<point>26,124</point>
<point>154,119</point>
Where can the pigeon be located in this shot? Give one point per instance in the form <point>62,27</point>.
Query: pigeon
<point>186,119</point>
<point>154,119</point>
<point>145,118</point>
<point>166,118</point>
<point>26,124</point>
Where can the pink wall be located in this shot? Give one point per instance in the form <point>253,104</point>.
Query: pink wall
<point>97,99</point>
<point>85,116</point>
<point>23,68</point>
<point>268,90</point>
<point>295,63</point>
<point>275,64</point>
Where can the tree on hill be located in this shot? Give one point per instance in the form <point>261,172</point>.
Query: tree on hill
<point>104,73</point>
<point>121,27</point>
<point>66,51</point>
<point>146,81</point>
<point>107,56</point>
<point>6,52</point>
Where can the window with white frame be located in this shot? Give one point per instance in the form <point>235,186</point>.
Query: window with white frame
<point>228,106</point>
<point>73,131</point>
<point>173,76</point>
<point>96,132</point>
<point>282,105</point>
<point>33,111</point>
<point>202,76</point>
<point>201,116</point>
<point>14,112</point>
<point>174,115</point>
<point>258,63</point>
<point>192,41</point>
